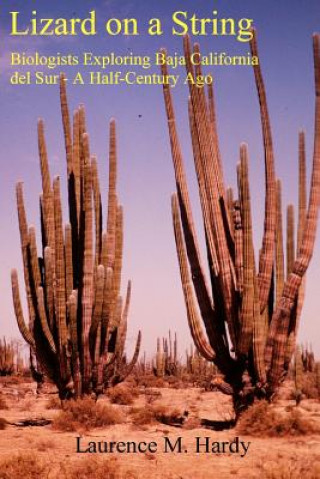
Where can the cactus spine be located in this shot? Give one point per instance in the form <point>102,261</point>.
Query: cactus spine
<point>250,314</point>
<point>77,322</point>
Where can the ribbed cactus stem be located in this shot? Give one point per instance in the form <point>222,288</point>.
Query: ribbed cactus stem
<point>282,314</point>
<point>77,322</point>
<point>268,242</point>
<point>279,246</point>
<point>290,239</point>
<point>261,309</point>
<point>247,312</point>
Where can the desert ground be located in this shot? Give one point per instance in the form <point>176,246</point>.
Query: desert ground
<point>266,457</point>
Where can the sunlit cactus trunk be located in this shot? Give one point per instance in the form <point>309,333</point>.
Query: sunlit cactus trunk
<point>77,319</point>
<point>250,311</point>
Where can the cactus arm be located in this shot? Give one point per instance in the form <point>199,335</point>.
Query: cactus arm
<point>211,189</point>
<point>76,162</point>
<point>193,318</point>
<point>105,319</point>
<point>280,275</point>
<point>230,206</point>
<point>60,296</point>
<point>283,312</point>
<point>124,321</point>
<point>87,285</point>
<point>49,288</point>
<point>197,272</point>
<point>72,309</point>
<point>68,260</point>
<point>302,188</point>
<point>260,330</point>
<point>247,311</point>
<point>97,210</point>
<point>279,246</point>
<point>44,166</point>
<point>66,122</point>
<point>24,240</point>
<point>268,242</point>
<point>43,320</point>
<point>24,330</point>
<point>214,132</point>
<point>212,254</point>
<point>97,310</point>
<point>122,376</point>
<point>118,254</point>
<point>290,239</point>
<point>301,221</point>
<point>34,261</point>
<point>112,195</point>
<point>211,248</point>
<point>238,241</point>
<point>60,282</point>
<point>48,222</point>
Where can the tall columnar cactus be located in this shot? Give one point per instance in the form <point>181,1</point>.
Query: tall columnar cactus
<point>166,361</point>
<point>298,374</point>
<point>250,313</point>
<point>77,319</point>
<point>160,361</point>
<point>8,357</point>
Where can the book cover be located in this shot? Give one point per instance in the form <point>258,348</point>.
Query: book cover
<point>159,251</point>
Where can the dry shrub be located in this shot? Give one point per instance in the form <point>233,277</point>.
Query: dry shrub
<point>45,445</point>
<point>309,385</point>
<point>150,381</point>
<point>150,415</point>
<point>3,404</point>
<point>284,468</point>
<point>152,395</point>
<point>122,395</point>
<point>166,415</point>
<point>142,416</point>
<point>97,469</point>
<point>262,420</point>
<point>30,466</point>
<point>192,423</point>
<point>85,414</point>
<point>27,405</point>
<point>23,466</point>
<point>3,423</point>
<point>53,403</point>
<point>174,382</point>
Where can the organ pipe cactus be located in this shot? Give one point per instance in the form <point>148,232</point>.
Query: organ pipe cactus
<point>7,357</point>
<point>77,318</point>
<point>250,313</point>
<point>167,357</point>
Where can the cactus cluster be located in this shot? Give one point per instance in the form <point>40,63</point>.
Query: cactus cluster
<point>77,317</point>
<point>11,361</point>
<point>250,313</point>
<point>308,360</point>
<point>7,356</point>
<point>166,362</point>
<point>199,367</point>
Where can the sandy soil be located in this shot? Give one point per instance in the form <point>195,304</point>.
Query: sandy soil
<point>188,464</point>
